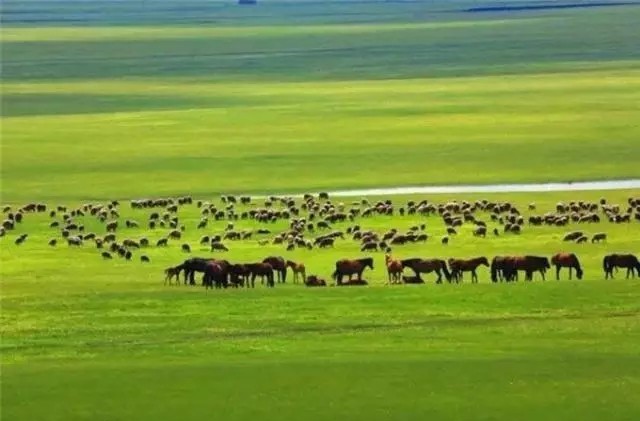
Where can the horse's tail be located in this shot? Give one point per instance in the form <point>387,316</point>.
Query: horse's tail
<point>446,272</point>
<point>494,270</point>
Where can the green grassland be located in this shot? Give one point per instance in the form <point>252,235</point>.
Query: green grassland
<point>84,337</point>
<point>117,100</point>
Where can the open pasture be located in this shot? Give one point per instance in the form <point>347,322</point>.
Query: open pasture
<point>83,335</point>
<point>121,99</point>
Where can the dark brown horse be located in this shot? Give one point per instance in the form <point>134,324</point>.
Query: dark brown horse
<point>279,265</point>
<point>508,266</point>
<point>427,266</point>
<point>215,274</point>
<point>263,270</point>
<point>239,275</point>
<point>349,268</point>
<point>172,272</point>
<point>566,260</point>
<point>459,266</point>
<point>626,261</point>
<point>314,281</point>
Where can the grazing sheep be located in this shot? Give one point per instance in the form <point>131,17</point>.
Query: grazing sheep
<point>21,239</point>
<point>128,255</point>
<point>163,242</point>
<point>572,236</point>
<point>99,243</point>
<point>601,236</point>
<point>106,255</point>
<point>54,224</point>
<point>480,232</point>
<point>218,246</point>
<point>74,241</point>
<point>145,259</point>
<point>112,226</point>
<point>186,248</point>
<point>175,235</point>
<point>445,240</point>
<point>131,224</point>
<point>451,231</point>
<point>369,246</point>
<point>144,242</point>
<point>53,242</point>
<point>582,239</point>
<point>109,238</point>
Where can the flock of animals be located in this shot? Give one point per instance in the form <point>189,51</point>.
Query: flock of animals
<point>311,225</point>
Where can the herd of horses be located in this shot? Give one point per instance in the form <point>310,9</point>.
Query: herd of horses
<point>220,273</point>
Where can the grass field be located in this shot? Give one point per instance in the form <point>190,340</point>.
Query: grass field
<point>114,100</point>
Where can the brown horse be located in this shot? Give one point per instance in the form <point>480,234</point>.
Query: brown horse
<point>459,266</point>
<point>427,266</point>
<point>215,274</point>
<point>394,269</point>
<point>263,270</point>
<point>350,268</point>
<point>566,260</point>
<point>279,265</point>
<point>510,265</point>
<point>627,261</point>
<point>239,275</point>
<point>298,269</point>
<point>314,281</point>
<point>172,272</point>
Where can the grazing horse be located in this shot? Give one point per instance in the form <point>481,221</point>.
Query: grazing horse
<point>427,266</point>
<point>215,274</point>
<point>172,272</point>
<point>193,265</point>
<point>459,266</point>
<point>566,260</point>
<point>239,275</point>
<point>279,265</point>
<point>263,270</point>
<point>350,268</point>
<point>627,261</point>
<point>298,269</point>
<point>394,269</point>
<point>510,265</point>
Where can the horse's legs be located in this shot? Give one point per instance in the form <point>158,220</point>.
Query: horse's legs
<point>474,276</point>
<point>557,272</point>
<point>570,272</point>
<point>439,280</point>
<point>542,274</point>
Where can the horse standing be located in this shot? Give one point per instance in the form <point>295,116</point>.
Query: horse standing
<point>566,260</point>
<point>427,266</point>
<point>279,265</point>
<point>298,269</point>
<point>626,261</point>
<point>394,269</point>
<point>459,266</point>
<point>350,268</point>
<point>263,270</point>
